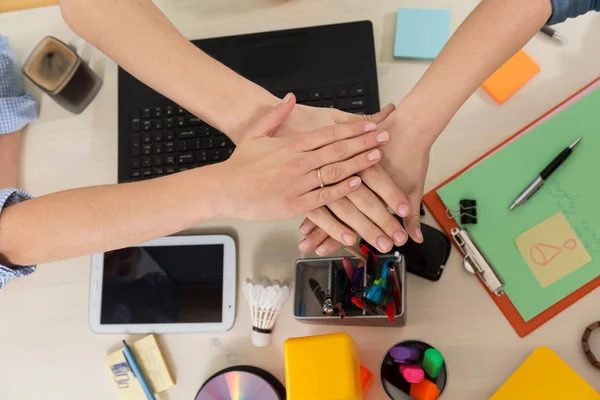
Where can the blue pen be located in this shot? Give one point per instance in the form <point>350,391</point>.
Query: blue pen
<point>137,372</point>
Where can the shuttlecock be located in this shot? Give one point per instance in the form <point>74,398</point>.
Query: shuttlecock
<point>265,299</point>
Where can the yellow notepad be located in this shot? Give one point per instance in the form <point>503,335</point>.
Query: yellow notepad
<point>151,361</point>
<point>544,375</point>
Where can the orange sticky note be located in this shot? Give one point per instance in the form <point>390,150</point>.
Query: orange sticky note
<point>510,77</point>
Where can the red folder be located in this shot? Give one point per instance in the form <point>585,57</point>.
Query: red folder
<point>438,209</point>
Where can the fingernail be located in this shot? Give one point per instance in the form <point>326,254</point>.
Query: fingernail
<point>322,249</point>
<point>371,126</point>
<point>304,245</point>
<point>286,99</point>
<point>384,244</point>
<point>304,228</point>
<point>403,210</point>
<point>383,137</point>
<point>419,235</point>
<point>390,105</point>
<point>374,155</point>
<point>399,238</point>
<point>348,239</point>
<point>354,182</point>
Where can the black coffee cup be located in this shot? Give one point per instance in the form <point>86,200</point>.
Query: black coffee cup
<point>59,71</point>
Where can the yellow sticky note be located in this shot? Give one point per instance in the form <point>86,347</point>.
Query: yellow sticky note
<point>544,375</point>
<point>151,361</point>
<point>552,250</point>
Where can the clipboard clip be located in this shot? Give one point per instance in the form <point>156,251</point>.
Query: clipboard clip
<point>475,263</point>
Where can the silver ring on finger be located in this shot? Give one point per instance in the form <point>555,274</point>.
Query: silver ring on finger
<point>320,177</point>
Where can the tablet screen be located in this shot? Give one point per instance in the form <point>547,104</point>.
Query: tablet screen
<point>163,285</point>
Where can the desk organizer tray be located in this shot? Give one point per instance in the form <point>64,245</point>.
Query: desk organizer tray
<point>324,270</point>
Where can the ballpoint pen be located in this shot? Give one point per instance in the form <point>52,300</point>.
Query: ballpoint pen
<point>553,34</point>
<point>541,178</point>
<point>137,372</point>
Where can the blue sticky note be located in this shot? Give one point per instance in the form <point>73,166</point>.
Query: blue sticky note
<point>421,33</point>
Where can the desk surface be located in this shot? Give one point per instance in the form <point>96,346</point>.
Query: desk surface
<point>47,348</point>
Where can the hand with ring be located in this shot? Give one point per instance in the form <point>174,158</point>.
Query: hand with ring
<point>270,178</point>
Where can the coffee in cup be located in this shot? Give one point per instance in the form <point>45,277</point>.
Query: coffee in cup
<point>64,75</point>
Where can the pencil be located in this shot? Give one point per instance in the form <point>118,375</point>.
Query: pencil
<point>356,253</point>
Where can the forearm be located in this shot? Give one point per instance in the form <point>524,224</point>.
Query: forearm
<point>137,35</point>
<point>10,147</point>
<point>490,35</point>
<point>94,219</point>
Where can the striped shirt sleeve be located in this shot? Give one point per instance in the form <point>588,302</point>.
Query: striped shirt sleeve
<point>17,108</point>
<point>9,197</point>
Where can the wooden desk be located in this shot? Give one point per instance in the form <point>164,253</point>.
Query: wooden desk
<point>46,347</point>
<point>15,5</point>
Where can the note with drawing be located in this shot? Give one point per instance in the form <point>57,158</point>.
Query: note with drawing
<point>150,358</point>
<point>552,250</point>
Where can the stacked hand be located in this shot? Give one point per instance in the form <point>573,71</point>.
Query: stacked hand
<point>286,177</point>
<point>397,182</point>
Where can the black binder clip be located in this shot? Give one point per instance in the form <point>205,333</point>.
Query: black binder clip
<point>467,211</point>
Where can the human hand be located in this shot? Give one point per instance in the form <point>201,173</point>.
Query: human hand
<point>272,178</point>
<point>405,161</point>
<point>364,211</point>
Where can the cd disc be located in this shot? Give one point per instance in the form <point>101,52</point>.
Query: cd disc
<point>242,383</point>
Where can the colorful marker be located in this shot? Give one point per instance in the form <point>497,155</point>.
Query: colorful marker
<point>404,354</point>
<point>348,267</point>
<point>424,390</point>
<point>432,362</point>
<point>412,373</point>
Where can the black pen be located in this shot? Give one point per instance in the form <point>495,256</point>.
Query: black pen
<point>539,181</point>
<point>553,34</point>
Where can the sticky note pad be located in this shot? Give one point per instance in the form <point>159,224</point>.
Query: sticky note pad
<point>510,77</point>
<point>552,250</point>
<point>544,375</point>
<point>152,363</point>
<point>421,33</point>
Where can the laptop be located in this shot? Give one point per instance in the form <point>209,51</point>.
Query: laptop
<point>324,66</point>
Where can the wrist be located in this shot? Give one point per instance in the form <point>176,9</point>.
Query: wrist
<point>256,103</point>
<point>412,124</point>
<point>210,197</point>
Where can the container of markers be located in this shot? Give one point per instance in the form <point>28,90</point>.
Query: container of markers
<point>347,291</point>
<point>413,369</point>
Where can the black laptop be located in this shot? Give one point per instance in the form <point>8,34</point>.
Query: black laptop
<point>324,66</point>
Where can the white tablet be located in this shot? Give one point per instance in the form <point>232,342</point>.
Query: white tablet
<point>175,284</point>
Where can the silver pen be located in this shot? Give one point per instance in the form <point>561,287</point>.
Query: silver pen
<point>553,34</point>
<point>541,178</point>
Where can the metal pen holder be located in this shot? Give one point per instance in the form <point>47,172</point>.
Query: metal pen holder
<point>323,270</point>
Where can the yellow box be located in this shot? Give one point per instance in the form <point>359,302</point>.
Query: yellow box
<point>324,367</point>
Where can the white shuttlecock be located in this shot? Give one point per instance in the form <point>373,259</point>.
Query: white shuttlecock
<point>265,299</point>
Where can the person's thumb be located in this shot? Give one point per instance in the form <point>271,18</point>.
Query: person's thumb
<point>268,123</point>
<point>379,117</point>
<point>412,223</point>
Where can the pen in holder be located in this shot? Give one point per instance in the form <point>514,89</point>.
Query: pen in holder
<point>371,294</point>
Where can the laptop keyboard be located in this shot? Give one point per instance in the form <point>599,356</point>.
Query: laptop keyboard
<point>168,139</point>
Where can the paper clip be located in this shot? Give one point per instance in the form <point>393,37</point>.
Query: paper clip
<point>467,211</point>
<point>475,262</point>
